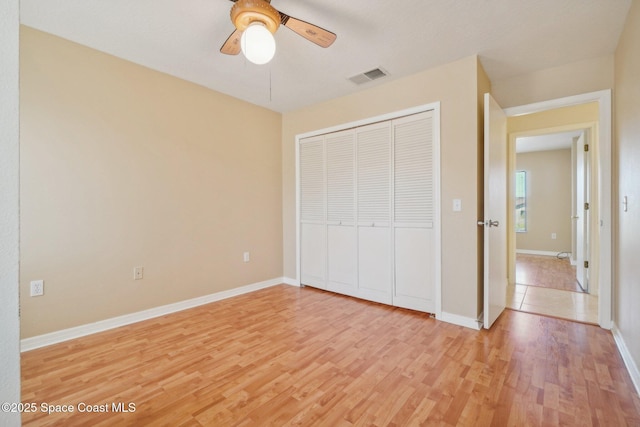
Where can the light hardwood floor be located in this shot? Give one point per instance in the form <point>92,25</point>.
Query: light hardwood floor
<point>290,356</point>
<point>547,272</point>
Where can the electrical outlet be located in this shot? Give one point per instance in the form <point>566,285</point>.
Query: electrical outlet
<point>553,236</point>
<point>138,273</point>
<point>246,257</point>
<point>37,288</point>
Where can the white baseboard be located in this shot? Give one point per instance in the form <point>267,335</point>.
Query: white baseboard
<point>531,252</point>
<point>467,322</point>
<point>631,364</point>
<point>32,343</point>
<point>291,282</point>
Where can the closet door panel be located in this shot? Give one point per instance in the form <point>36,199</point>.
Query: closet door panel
<point>313,255</point>
<point>374,174</point>
<point>374,264</point>
<point>312,180</point>
<point>414,266</point>
<point>340,148</point>
<point>413,165</point>
<point>414,216</point>
<point>341,230</point>
<point>342,259</point>
<point>374,212</point>
<point>313,238</point>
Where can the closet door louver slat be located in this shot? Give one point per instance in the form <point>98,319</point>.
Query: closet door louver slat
<point>374,173</point>
<point>340,177</point>
<point>413,172</point>
<point>312,186</point>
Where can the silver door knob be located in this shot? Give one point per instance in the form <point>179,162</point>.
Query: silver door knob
<point>493,223</point>
<point>481,223</point>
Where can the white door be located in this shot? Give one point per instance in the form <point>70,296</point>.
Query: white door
<point>341,230</point>
<point>582,213</point>
<point>415,192</point>
<point>495,210</point>
<point>373,181</point>
<point>313,246</point>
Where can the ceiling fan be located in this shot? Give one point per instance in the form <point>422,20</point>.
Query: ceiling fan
<point>256,21</point>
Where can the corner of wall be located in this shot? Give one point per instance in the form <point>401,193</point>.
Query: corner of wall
<point>9,210</point>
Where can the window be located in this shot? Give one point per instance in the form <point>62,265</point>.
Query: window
<point>521,202</point>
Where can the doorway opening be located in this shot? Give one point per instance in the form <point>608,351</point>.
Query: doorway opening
<point>552,224</point>
<point>582,247</point>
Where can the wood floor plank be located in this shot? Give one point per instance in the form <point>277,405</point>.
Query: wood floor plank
<point>285,356</point>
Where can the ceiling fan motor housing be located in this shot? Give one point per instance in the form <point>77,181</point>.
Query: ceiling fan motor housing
<point>245,12</point>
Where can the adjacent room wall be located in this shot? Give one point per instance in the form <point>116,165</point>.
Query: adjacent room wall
<point>122,166</point>
<point>9,211</point>
<point>627,158</point>
<point>570,79</point>
<point>455,85</point>
<point>548,200</point>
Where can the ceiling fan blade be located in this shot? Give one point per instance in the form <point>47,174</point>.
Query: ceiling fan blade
<point>311,32</point>
<point>232,45</point>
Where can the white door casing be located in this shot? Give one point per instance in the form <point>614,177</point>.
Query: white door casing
<point>580,211</point>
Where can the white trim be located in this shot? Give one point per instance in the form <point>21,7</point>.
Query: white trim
<point>56,337</point>
<point>551,104</point>
<point>532,252</point>
<point>456,319</point>
<point>291,282</point>
<point>438,207</point>
<point>435,108</point>
<point>631,364</point>
<point>603,98</point>
<point>371,120</point>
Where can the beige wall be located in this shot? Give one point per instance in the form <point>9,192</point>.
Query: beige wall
<point>122,166</point>
<point>556,118</point>
<point>9,210</point>
<point>455,85</point>
<point>627,158</point>
<point>548,200</point>
<point>570,79</point>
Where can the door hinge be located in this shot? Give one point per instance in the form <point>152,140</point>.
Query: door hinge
<point>586,206</point>
<point>586,147</point>
<point>586,264</point>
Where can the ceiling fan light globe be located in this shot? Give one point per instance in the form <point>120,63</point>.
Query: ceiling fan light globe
<point>257,43</point>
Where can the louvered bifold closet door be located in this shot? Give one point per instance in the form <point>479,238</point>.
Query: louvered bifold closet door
<point>313,240</point>
<point>373,159</point>
<point>414,236</point>
<point>341,230</point>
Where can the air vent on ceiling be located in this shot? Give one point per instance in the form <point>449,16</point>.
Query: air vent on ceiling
<point>367,76</point>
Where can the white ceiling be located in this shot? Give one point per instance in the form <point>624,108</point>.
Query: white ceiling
<point>552,141</point>
<point>182,38</point>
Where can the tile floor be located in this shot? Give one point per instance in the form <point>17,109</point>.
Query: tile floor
<point>553,302</point>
